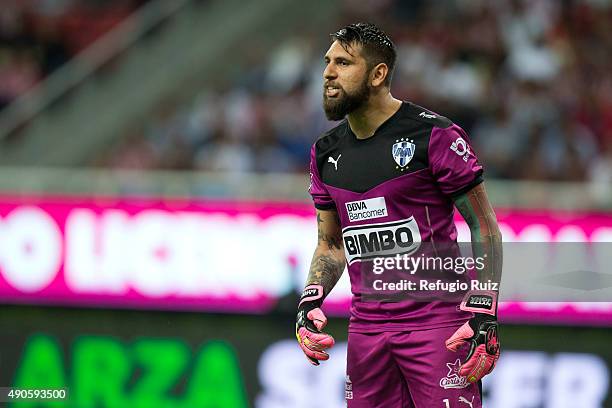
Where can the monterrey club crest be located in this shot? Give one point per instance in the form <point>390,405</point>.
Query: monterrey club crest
<point>403,151</point>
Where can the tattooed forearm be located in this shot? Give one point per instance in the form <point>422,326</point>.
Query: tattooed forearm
<point>475,208</point>
<point>325,270</point>
<point>328,261</point>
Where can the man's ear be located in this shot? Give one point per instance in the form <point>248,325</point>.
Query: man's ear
<point>378,75</point>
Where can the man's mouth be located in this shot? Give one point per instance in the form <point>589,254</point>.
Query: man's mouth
<point>331,91</point>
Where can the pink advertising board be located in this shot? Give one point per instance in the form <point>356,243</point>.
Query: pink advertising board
<point>229,256</point>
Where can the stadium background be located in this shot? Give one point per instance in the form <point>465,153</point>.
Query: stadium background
<point>154,224</point>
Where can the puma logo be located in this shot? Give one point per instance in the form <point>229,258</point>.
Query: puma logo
<point>427,115</point>
<point>335,162</point>
<point>470,403</point>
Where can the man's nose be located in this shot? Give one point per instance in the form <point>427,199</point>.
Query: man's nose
<point>329,72</point>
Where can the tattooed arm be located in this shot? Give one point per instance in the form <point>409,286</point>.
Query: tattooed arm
<point>476,209</point>
<point>328,261</point>
<point>481,331</point>
<point>325,269</point>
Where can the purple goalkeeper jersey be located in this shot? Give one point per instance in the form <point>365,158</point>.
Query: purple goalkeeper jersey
<point>393,193</point>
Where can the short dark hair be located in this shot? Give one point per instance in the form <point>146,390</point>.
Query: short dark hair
<point>376,46</point>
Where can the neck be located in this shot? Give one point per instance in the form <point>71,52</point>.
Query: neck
<point>365,120</point>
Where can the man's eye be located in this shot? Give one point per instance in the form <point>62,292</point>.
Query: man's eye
<point>343,63</point>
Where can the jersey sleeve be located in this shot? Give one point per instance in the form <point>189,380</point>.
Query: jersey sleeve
<point>318,191</point>
<point>452,161</point>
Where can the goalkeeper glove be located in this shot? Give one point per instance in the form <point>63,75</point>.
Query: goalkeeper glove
<point>310,322</point>
<point>480,332</point>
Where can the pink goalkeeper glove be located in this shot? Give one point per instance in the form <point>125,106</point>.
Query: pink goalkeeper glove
<point>480,333</point>
<point>310,322</point>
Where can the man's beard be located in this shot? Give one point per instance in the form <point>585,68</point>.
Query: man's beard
<point>337,108</point>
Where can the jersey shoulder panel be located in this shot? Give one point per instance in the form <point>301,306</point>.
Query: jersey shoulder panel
<point>329,142</point>
<point>424,115</point>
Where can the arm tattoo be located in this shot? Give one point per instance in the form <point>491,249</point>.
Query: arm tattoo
<point>325,270</point>
<point>328,261</point>
<point>486,237</point>
<point>332,242</point>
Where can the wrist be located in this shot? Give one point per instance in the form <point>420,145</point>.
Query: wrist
<point>480,301</point>
<point>312,295</point>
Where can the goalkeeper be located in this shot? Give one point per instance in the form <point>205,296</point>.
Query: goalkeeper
<point>385,181</point>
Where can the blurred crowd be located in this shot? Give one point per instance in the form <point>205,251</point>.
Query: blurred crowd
<point>38,36</point>
<point>530,81</point>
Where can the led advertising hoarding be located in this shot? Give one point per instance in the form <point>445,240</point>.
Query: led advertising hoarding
<point>214,255</point>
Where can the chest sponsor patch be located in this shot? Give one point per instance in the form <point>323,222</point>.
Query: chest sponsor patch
<point>366,209</point>
<point>374,240</point>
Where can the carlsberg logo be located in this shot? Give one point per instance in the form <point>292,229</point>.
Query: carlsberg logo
<point>374,240</point>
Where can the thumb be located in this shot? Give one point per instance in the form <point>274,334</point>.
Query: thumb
<point>460,337</point>
<point>318,318</point>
